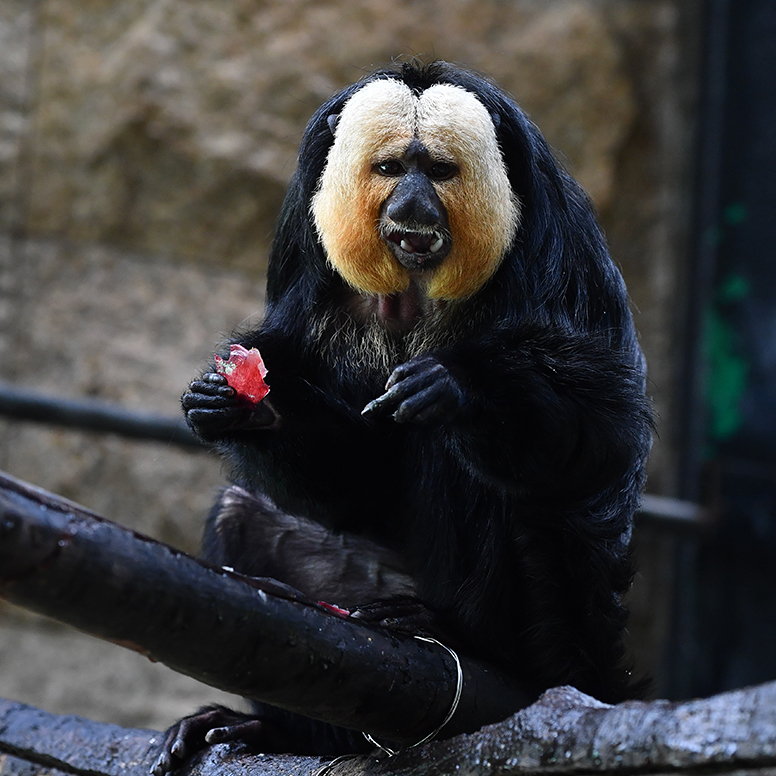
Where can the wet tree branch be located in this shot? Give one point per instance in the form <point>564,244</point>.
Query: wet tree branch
<point>252,637</point>
<point>564,733</point>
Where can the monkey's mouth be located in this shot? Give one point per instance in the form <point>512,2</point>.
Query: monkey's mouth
<point>418,249</point>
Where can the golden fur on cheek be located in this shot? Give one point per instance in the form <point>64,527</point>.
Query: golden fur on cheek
<point>479,244</point>
<point>346,207</point>
<point>348,226</point>
<point>481,205</point>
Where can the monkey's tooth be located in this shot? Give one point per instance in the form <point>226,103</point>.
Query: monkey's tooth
<point>405,246</point>
<point>436,245</point>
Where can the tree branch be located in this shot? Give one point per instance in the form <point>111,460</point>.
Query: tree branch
<point>252,637</point>
<point>563,733</point>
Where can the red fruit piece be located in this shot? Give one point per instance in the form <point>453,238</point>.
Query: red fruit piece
<point>244,371</point>
<point>334,609</point>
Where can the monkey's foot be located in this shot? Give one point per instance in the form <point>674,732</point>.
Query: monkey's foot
<point>211,725</point>
<point>402,614</point>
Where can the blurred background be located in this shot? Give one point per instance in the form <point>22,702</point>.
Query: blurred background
<point>145,146</point>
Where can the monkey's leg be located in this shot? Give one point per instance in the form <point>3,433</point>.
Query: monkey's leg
<point>249,534</point>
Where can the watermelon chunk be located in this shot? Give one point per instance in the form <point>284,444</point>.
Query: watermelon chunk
<point>245,372</point>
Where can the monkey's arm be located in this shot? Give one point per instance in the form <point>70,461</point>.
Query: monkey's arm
<point>530,408</point>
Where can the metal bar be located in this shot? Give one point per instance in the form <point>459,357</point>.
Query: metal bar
<point>711,142</point>
<point>672,510</point>
<point>92,415</point>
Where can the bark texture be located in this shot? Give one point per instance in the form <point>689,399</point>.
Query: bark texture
<point>254,637</point>
<point>564,732</point>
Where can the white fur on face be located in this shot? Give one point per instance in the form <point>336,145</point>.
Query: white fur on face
<point>379,122</point>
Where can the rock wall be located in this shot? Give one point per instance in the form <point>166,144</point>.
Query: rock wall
<point>144,149</point>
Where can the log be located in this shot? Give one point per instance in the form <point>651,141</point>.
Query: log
<point>253,637</point>
<point>38,742</point>
<point>564,733</point>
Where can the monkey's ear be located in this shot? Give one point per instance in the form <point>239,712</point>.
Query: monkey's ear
<point>332,120</point>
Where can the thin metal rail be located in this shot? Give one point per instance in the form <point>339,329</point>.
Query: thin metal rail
<point>92,415</point>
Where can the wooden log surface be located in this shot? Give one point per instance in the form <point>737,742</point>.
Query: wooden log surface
<point>246,636</point>
<point>565,732</point>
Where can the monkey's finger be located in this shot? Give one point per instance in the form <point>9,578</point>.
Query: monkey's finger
<point>207,389</point>
<point>210,379</point>
<point>247,732</point>
<point>427,365</point>
<point>191,400</point>
<point>210,387</point>
<point>174,748</point>
<point>190,733</point>
<point>407,387</point>
<point>388,402</point>
<point>422,406</point>
<point>163,764</point>
<point>214,421</point>
<point>187,737</point>
<point>379,406</point>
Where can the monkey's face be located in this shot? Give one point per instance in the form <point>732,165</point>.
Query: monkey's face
<point>413,218</point>
<point>415,191</point>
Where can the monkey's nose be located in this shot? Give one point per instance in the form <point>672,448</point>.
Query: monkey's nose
<point>414,200</point>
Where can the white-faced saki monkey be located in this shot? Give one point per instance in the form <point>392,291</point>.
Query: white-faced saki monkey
<point>456,433</point>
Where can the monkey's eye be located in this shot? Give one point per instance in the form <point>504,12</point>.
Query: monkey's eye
<point>390,168</point>
<point>442,171</point>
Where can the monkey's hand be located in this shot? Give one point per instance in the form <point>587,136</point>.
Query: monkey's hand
<point>420,391</point>
<point>213,725</point>
<point>402,614</point>
<point>213,409</point>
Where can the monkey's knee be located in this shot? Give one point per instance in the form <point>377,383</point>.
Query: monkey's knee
<point>247,532</point>
<point>236,531</point>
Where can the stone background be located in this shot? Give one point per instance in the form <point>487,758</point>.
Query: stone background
<point>144,149</point>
